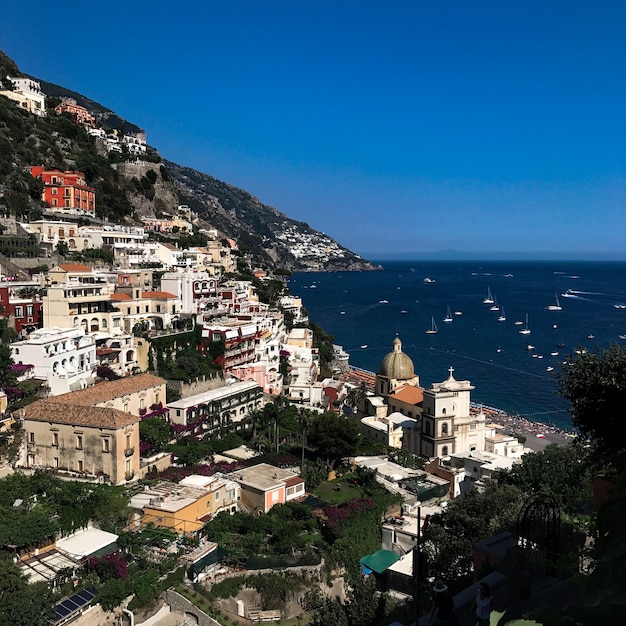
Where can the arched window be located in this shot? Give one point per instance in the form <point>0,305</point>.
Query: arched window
<point>444,451</point>
<point>444,428</point>
<point>443,411</point>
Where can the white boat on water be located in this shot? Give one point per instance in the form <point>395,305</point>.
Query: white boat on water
<point>364,346</point>
<point>495,306</point>
<point>489,298</point>
<point>502,316</point>
<point>557,305</point>
<point>525,330</point>
<point>622,337</point>
<point>498,349</point>
<point>555,353</point>
<point>433,328</point>
<point>429,281</point>
<point>448,317</point>
<point>458,312</point>
<point>549,369</point>
<point>519,323</point>
<point>620,306</point>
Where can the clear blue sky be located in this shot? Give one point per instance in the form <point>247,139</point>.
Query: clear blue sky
<point>394,127</point>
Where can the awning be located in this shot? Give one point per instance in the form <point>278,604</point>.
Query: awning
<point>379,561</point>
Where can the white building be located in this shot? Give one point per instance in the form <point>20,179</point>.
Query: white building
<point>30,90</point>
<point>64,357</point>
<point>212,409</point>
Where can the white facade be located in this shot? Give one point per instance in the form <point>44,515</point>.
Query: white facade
<point>64,357</point>
<point>31,89</point>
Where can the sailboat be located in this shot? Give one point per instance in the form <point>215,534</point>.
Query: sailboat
<point>557,306</point>
<point>489,298</point>
<point>502,316</point>
<point>448,317</point>
<point>433,328</point>
<point>495,306</point>
<point>525,330</point>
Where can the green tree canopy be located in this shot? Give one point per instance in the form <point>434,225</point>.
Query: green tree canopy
<point>562,471</point>
<point>334,436</point>
<point>595,386</point>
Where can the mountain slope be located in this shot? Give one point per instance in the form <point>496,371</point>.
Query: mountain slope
<point>259,227</point>
<point>123,189</point>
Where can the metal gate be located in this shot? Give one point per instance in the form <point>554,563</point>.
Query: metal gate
<point>538,534</point>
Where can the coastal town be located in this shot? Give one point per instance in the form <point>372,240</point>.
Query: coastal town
<point>180,444</point>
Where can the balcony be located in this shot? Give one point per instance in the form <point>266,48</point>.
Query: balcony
<point>129,451</point>
<point>129,475</point>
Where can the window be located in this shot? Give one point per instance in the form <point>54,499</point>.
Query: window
<point>31,437</point>
<point>54,191</point>
<point>29,310</point>
<point>56,462</point>
<point>125,407</point>
<point>19,311</point>
<point>80,465</point>
<point>106,445</point>
<point>444,428</point>
<point>444,450</point>
<point>142,403</point>
<point>79,442</point>
<point>217,496</point>
<point>55,440</point>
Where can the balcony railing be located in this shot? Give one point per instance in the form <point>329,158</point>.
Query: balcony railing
<point>129,451</point>
<point>129,475</point>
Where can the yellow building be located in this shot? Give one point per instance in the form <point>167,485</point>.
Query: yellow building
<point>185,507</point>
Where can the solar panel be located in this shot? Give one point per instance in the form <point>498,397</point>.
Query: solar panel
<point>74,603</point>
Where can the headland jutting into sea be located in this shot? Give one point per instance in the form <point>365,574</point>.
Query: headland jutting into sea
<point>511,370</point>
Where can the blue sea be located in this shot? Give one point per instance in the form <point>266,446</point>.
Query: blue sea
<point>365,311</point>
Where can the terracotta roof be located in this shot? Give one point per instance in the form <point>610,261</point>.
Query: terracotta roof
<point>103,392</point>
<point>75,267</point>
<point>158,295</point>
<point>61,413</point>
<point>296,480</point>
<point>412,395</point>
<point>120,296</point>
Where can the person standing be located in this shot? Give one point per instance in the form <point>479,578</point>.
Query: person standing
<point>482,605</point>
<point>443,606</point>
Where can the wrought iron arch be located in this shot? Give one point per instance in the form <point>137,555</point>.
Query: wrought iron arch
<point>538,533</point>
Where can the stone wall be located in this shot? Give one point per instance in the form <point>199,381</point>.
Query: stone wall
<point>180,604</point>
<point>198,386</point>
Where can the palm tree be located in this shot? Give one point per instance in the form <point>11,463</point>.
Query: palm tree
<point>355,396</point>
<point>305,417</point>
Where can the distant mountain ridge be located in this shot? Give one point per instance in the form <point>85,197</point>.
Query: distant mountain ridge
<point>261,230</point>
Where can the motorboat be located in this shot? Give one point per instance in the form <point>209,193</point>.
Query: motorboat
<point>364,346</point>
<point>429,281</point>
